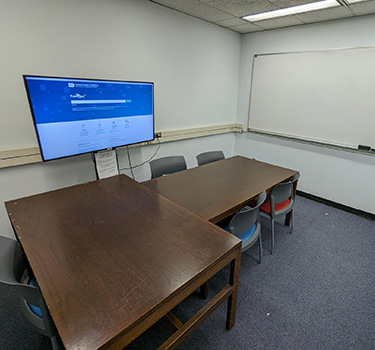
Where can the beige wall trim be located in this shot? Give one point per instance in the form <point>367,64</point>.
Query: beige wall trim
<point>176,135</point>
<point>19,156</point>
<point>29,155</point>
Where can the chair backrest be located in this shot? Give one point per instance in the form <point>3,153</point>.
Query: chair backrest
<point>208,157</point>
<point>14,273</point>
<point>244,219</point>
<point>12,262</point>
<point>283,191</point>
<point>167,165</point>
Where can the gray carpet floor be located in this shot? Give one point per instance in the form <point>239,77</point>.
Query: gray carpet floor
<point>317,291</point>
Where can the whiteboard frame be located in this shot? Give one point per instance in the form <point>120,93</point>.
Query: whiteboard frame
<point>312,142</point>
<point>300,139</point>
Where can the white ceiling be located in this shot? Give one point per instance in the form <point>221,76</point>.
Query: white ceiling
<point>228,13</point>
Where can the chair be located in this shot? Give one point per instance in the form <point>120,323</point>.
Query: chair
<point>209,157</point>
<point>14,273</point>
<point>280,201</point>
<point>167,165</point>
<point>245,224</point>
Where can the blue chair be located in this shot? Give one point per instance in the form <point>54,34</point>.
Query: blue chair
<point>280,202</point>
<point>14,273</point>
<point>209,157</point>
<point>245,224</point>
<point>167,165</point>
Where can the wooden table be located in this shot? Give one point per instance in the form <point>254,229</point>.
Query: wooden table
<point>219,189</point>
<point>112,257</point>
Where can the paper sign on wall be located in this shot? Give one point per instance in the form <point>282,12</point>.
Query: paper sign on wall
<point>106,164</point>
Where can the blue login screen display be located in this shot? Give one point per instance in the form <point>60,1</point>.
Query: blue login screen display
<point>74,116</point>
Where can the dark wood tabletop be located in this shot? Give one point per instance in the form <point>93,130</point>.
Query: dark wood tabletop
<point>217,190</point>
<point>112,257</point>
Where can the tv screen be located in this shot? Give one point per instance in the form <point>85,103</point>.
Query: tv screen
<point>74,116</point>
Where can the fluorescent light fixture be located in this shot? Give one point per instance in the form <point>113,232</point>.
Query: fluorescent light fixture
<point>292,10</point>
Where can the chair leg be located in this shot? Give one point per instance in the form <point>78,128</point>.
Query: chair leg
<point>272,235</point>
<point>260,248</point>
<point>291,222</point>
<point>57,343</point>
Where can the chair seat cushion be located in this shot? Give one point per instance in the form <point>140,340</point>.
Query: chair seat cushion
<point>36,310</point>
<point>245,236</point>
<point>266,206</point>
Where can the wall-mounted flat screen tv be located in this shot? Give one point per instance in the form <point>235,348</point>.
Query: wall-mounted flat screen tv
<point>74,116</point>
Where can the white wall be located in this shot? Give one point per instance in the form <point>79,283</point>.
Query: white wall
<point>343,177</point>
<point>194,66</point>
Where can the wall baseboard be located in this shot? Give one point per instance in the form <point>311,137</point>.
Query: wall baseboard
<point>343,207</point>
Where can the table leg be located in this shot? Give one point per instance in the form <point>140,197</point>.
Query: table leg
<point>233,280</point>
<point>204,290</point>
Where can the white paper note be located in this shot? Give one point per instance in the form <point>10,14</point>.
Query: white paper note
<point>106,164</point>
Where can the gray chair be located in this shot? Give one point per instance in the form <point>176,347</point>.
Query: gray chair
<point>209,157</point>
<point>245,224</point>
<point>167,165</point>
<point>280,202</point>
<point>14,273</point>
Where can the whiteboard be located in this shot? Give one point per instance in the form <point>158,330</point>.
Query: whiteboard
<point>323,96</point>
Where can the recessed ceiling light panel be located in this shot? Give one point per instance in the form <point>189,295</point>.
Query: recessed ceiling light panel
<point>293,10</point>
<point>354,1</point>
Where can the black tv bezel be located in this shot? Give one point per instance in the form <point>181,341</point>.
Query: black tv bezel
<point>88,79</point>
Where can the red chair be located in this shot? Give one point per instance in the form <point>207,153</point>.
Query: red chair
<point>279,202</point>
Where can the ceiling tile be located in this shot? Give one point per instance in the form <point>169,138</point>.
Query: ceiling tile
<point>195,8</point>
<point>228,13</point>
<point>246,28</point>
<point>230,22</point>
<point>325,15</point>
<point>241,8</point>
<point>364,8</point>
